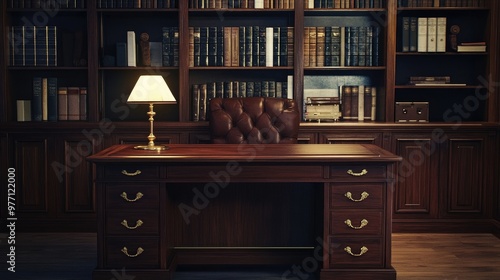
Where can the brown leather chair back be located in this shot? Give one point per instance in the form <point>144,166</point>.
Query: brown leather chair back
<point>253,120</point>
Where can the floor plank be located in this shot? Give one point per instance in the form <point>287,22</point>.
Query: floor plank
<point>70,256</point>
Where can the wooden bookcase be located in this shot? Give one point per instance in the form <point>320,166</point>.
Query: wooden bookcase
<point>110,120</point>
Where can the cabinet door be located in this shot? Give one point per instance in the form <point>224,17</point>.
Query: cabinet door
<point>416,191</point>
<point>73,175</point>
<point>30,156</point>
<point>463,184</point>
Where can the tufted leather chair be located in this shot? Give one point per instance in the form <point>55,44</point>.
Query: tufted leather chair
<point>253,120</point>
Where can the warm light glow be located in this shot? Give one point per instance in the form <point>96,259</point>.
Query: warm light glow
<point>151,89</point>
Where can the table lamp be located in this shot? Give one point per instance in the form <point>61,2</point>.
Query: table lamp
<point>151,89</point>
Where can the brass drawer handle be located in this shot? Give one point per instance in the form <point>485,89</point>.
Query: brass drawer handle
<point>364,195</point>
<point>364,223</point>
<point>352,173</point>
<point>137,196</point>
<point>139,251</point>
<point>362,252</point>
<point>137,224</point>
<point>125,172</point>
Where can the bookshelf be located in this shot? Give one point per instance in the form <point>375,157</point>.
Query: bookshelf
<point>103,24</point>
<point>110,120</point>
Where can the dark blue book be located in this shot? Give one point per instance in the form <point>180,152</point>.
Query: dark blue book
<point>121,54</point>
<point>36,101</point>
<point>52,106</point>
<point>52,46</point>
<point>41,46</point>
<point>29,45</point>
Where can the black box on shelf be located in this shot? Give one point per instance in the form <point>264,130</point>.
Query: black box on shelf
<point>412,111</point>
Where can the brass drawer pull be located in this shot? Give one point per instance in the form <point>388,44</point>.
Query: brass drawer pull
<point>137,224</point>
<point>137,196</point>
<point>139,251</point>
<point>362,252</point>
<point>363,172</point>
<point>125,172</point>
<point>364,195</point>
<point>364,223</point>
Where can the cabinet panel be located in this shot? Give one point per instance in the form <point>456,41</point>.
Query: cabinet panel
<point>464,189</point>
<point>417,185</point>
<point>31,163</point>
<point>77,180</point>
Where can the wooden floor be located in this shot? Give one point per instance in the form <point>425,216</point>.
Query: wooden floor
<point>69,256</point>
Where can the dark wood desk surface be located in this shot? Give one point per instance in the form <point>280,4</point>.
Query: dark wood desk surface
<point>245,152</point>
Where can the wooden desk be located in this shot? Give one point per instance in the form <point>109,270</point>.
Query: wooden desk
<point>312,207</point>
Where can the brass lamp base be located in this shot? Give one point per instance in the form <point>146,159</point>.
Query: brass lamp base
<point>151,148</point>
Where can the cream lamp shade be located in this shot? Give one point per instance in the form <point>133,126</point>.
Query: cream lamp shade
<point>151,89</point>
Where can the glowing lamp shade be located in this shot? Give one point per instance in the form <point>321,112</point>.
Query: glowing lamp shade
<point>151,89</point>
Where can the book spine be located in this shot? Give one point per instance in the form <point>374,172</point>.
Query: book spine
<point>83,103</point>
<point>45,99</point>
<point>36,104</point>
<point>431,34</point>
<point>29,45</point>
<point>405,36</point>
<point>23,110</point>
<point>413,36</point>
<point>269,46</point>
<point>131,49</point>
<point>320,46</point>
<point>52,99</point>
<point>441,34</point>
<point>195,107</point>
<point>422,34</point>
<point>62,101</point>
<point>203,102</point>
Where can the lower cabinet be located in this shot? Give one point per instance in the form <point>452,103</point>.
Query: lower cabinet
<point>446,180</point>
<point>53,181</point>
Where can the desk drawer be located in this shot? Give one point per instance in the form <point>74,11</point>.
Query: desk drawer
<point>131,172</point>
<point>133,196</point>
<point>132,252</point>
<point>373,256</point>
<point>132,222</point>
<point>358,172</point>
<point>356,222</point>
<point>358,195</point>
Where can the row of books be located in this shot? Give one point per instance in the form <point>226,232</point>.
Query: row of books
<point>36,4</point>
<point>359,102</point>
<point>242,4</point>
<point>441,3</point>
<point>341,46</point>
<point>164,53</point>
<point>52,102</point>
<point>343,4</point>
<point>137,4</point>
<point>424,34</point>
<point>33,46</point>
<point>203,93</point>
<point>241,46</point>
